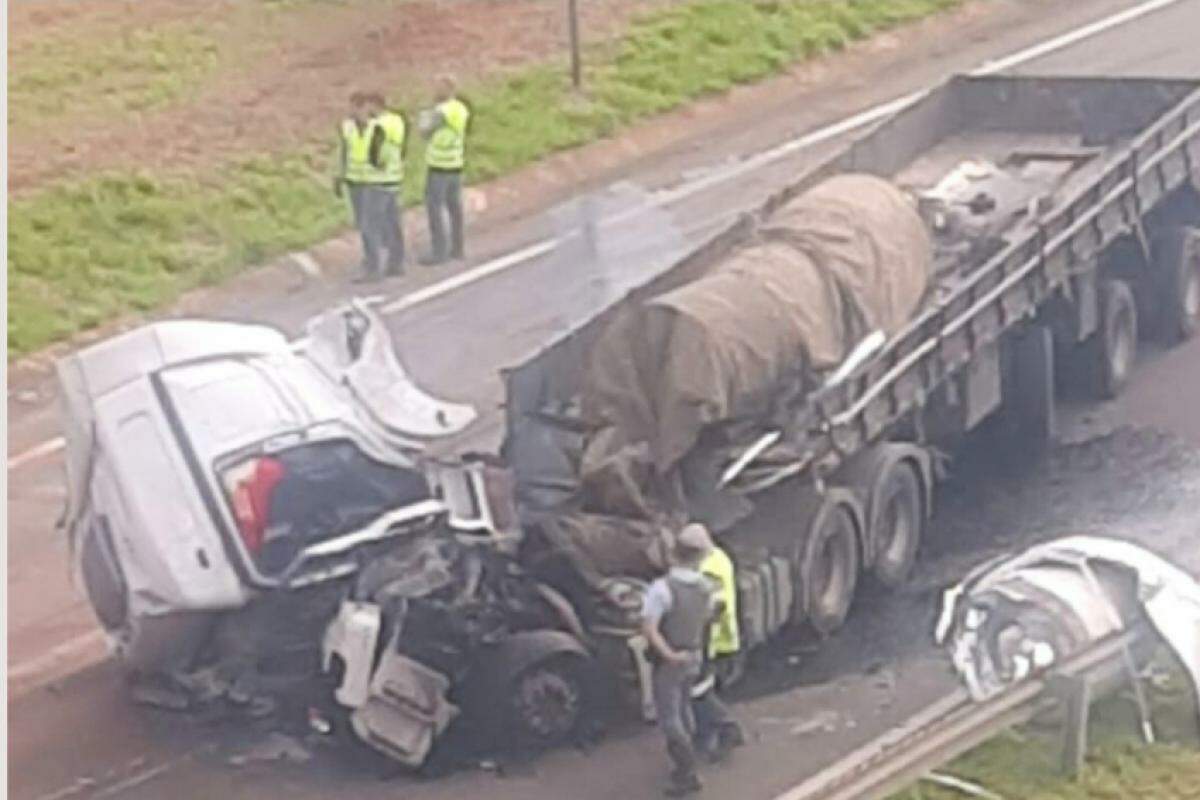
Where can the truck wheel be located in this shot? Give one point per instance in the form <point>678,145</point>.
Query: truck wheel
<point>896,527</point>
<point>1177,269</point>
<point>826,563</point>
<point>548,702</point>
<point>1114,346</point>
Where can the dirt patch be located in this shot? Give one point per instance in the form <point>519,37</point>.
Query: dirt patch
<point>286,89</point>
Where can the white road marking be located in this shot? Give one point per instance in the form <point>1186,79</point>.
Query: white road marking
<point>470,276</point>
<point>55,654</point>
<point>1071,37</point>
<point>754,162</point>
<point>37,451</point>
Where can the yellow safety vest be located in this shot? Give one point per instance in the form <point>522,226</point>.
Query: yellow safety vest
<point>391,155</point>
<point>357,167</point>
<point>447,146</point>
<point>356,145</point>
<point>724,639</point>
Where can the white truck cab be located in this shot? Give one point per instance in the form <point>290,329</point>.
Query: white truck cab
<point>210,461</point>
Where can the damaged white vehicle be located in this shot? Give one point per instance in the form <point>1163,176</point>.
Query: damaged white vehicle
<point>215,468</point>
<point>1017,616</point>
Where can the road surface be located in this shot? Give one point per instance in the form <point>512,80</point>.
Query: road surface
<point>75,735</point>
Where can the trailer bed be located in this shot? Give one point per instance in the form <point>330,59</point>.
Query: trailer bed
<point>1079,162</point>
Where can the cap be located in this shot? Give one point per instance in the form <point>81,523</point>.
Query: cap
<point>695,536</point>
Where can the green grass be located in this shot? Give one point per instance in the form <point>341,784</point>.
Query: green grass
<point>1024,764</point>
<point>84,252</point>
<point>129,71</point>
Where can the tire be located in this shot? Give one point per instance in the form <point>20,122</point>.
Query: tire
<point>103,580</point>
<point>826,564</point>
<point>548,702</point>
<point>1177,273</point>
<point>897,524</point>
<point>1113,348</point>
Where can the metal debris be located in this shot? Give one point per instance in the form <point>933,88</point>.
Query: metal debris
<point>966,787</point>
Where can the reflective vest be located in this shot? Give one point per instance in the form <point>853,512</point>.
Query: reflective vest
<point>357,167</point>
<point>446,149</point>
<point>723,637</point>
<point>391,155</point>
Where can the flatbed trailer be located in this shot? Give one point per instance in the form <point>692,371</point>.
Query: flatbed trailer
<point>1105,247</point>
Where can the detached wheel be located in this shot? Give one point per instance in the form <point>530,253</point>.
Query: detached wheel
<point>1177,268</point>
<point>826,564</point>
<point>1113,347</point>
<point>548,702</point>
<point>897,524</point>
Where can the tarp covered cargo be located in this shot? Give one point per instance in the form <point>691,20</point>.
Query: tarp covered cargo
<point>849,256</point>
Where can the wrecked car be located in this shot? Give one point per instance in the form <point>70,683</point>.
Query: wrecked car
<point>231,494</point>
<point>1018,615</point>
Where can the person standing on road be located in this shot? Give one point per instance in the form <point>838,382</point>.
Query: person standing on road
<point>371,170</point>
<point>445,126</point>
<point>675,615</point>
<point>716,731</point>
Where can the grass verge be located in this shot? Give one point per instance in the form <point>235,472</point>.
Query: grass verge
<point>1025,763</point>
<point>84,252</point>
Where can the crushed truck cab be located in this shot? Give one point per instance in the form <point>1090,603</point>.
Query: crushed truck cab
<point>209,462</point>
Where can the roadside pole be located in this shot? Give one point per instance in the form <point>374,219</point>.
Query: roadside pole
<point>573,28</point>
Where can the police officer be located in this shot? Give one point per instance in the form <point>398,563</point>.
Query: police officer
<point>676,612</point>
<point>445,126</point>
<point>371,170</point>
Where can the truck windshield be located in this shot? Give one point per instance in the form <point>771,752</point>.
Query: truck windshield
<point>286,501</point>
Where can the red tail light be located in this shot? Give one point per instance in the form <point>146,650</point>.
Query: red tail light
<point>252,485</point>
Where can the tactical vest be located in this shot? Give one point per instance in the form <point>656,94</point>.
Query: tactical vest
<point>684,625</point>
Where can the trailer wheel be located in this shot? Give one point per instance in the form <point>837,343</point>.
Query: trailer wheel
<point>1177,268</point>
<point>1113,347</point>
<point>897,523</point>
<point>827,563</point>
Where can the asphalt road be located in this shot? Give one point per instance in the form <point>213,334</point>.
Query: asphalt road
<point>77,736</point>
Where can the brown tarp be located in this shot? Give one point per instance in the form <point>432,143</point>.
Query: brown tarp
<point>848,257</point>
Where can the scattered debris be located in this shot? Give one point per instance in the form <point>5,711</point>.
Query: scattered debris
<point>276,747</point>
<point>158,695</point>
<point>966,787</point>
<point>823,722</point>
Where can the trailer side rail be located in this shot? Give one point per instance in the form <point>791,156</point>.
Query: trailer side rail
<point>1008,290</point>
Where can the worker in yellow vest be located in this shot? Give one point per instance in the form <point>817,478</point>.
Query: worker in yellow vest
<point>371,170</point>
<point>445,127</point>
<point>716,731</point>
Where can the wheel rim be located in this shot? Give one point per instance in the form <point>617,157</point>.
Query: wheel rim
<point>898,529</point>
<point>548,703</point>
<point>1191,295</point>
<point>834,565</point>
<point>1123,346</point>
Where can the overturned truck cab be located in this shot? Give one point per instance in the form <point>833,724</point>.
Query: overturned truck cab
<point>235,498</point>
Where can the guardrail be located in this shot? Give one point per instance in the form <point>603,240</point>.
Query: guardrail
<point>956,724</point>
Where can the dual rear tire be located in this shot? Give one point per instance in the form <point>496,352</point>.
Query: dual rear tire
<point>827,558</point>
